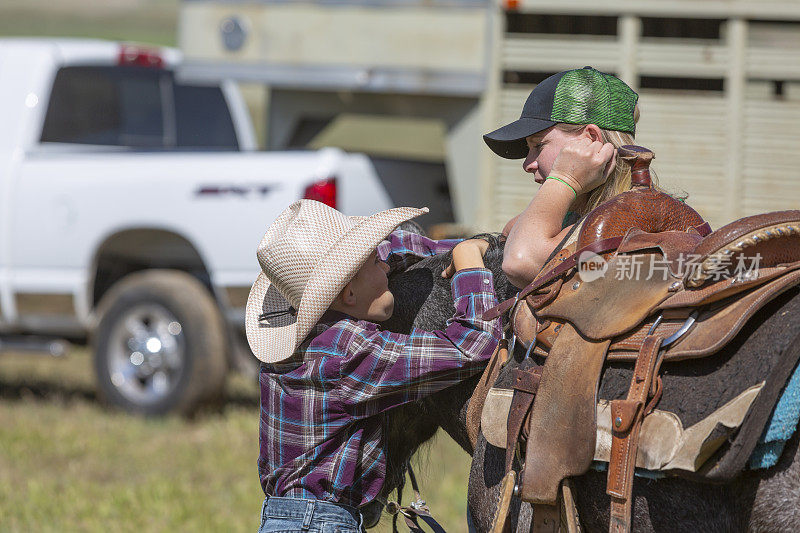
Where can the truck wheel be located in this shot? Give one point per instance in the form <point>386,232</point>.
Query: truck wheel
<point>159,346</point>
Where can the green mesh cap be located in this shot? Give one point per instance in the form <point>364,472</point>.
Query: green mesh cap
<point>580,96</point>
<point>588,96</point>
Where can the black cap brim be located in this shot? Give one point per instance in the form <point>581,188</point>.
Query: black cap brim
<point>509,141</point>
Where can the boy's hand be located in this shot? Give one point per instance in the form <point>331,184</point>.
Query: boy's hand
<point>467,254</point>
<point>584,164</point>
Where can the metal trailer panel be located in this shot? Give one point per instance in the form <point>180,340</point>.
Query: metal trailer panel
<point>770,155</point>
<point>551,52</point>
<point>687,132</point>
<point>396,46</point>
<point>759,10</point>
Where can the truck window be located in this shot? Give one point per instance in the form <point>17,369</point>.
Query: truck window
<point>118,106</point>
<point>136,107</point>
<point>202,119</point>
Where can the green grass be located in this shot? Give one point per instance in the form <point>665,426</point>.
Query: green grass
<point>23,23</point>
<point>68,464</point>
<point>148,21</point>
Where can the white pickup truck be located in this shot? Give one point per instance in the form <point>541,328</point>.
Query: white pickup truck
<point>132,205</point>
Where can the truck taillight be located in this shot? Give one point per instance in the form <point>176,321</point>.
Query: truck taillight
<point>139,56</point>
<point>322,191</point>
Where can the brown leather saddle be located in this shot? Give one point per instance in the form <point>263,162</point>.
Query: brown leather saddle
<point>644,281</point>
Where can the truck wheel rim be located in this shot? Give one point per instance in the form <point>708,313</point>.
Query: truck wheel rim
<point>147,353</point>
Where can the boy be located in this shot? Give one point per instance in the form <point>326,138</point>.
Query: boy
<point>330,369</point>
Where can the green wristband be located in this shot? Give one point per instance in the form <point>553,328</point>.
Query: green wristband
<point>564,182</point>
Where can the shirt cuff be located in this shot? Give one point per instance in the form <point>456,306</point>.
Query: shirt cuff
<point>472,281</point>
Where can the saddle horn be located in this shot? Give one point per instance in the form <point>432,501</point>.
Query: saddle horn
<point>639,158</point>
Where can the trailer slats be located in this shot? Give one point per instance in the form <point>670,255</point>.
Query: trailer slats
<point>722,115</point>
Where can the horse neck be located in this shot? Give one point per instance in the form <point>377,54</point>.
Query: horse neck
<point>420,294</point>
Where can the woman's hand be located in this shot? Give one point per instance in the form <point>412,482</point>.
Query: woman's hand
<point>584,164</point>
<point>467,254</point>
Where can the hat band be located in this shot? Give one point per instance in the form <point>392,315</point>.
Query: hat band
<point>275,314</point>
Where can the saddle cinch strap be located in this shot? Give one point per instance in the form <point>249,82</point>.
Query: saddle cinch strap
<point>626,421</point>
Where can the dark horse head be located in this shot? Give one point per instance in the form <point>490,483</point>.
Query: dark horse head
<point>423,300</point>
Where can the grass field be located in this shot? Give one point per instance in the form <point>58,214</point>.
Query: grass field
<point>68,464</point>
<point>150,21</point>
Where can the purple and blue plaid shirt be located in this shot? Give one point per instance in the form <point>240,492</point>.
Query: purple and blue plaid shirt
<point>321,433</point>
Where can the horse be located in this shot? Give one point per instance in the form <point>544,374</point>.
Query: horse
<point>760,500</point>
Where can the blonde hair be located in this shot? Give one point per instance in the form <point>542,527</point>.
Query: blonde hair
<point>620,179</point>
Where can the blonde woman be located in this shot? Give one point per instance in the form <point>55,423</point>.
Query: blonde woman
<point>570,127</point>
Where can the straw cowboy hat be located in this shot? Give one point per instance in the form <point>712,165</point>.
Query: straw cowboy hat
<point>307,256</point>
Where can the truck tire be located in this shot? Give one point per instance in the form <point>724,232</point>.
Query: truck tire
<point>159,345</point>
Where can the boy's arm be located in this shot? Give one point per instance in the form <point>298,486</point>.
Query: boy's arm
<point>402,249</point>
<point>382,370</point>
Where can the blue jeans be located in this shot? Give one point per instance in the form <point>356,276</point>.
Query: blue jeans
<point>298,515</point>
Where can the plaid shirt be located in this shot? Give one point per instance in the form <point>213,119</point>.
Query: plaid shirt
<point>321,429</point>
